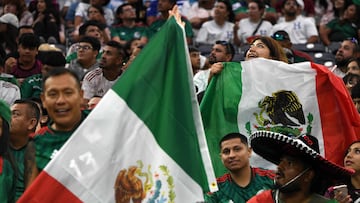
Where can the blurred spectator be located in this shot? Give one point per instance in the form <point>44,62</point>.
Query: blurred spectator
<point>26,64</point>
<point>355,95</point>
<point>241,10</point>
<point>350,80</point>
<point>47,23</point>
<point>18,8</point>
<point>252,25</point>
<point>198,13</point>
<point>81,14</point>
<point>300,29</point>
<point>342,27</point>
<point>9,24</point>
<point>9,91</point>
<point>353,66</point>
<point>140,10</point>
<point>221,27</point>
<point>294,56</point>
<point>93,102</point>
<point>307,7</point>
<point>127,28</point>
<point>194,59</point>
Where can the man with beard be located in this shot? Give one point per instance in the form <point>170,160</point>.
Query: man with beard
<point>243,181</point>
<point>99,81</point>
<point>302,173</point>
<point>222,51</point>
<point>349,49</point>
<point>301,29</point>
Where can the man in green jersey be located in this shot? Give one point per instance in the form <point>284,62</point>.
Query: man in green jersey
<point>25,115</point>
<point>62,98</point>
<point>243,181</point>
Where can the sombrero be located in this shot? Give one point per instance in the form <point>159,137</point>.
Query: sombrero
<point>272,146</point>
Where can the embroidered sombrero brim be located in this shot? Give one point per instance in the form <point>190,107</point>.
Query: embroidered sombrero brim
<point>272,146</point>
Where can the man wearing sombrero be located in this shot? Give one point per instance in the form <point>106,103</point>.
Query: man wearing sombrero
<point>302,173</point>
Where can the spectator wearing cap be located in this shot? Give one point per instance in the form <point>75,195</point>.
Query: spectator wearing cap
<point>9,24</point>
<point>26,64</point>
<point>32,86</point>
<point>302,173</point>
<point>87,50</point>
<point>300,29</point>
<point>294,56</point>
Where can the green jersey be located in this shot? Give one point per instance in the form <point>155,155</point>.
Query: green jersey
<point>19,156</point>
<point>49,141</point>
<point>127,33</point>
<point>7,181</point>
<point>229,191</point>
<point>31,86</point>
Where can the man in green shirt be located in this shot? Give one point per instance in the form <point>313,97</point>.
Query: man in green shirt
<point>62,98</point>
<point>25,115</point>
<point>243,181</point>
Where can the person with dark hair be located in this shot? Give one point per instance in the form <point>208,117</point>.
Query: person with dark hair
<point>220,28</point>
<point>194,59</point>
<point>88,49</point>
<point>350,80</point>
<point>25,115</point>
<point>32,86</point>
<point>62,98</point>
<point>47,22</point>
<point>243,181</point>
<point>26,64</point>
<point>300,29</point>
<point>302,173</point>
<point>351,161</point>
<point>353,66</point>
<point>128,28</point>
<point>222,51</point>
<point>8,173</point>
<point>253,25</point>
<point>100,80</point>
<point>163,7</point>
<point>19,8</point>
<point>355,95</point>
<point>81,14</point>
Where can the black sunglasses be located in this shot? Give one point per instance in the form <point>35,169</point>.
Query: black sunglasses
<point>279,37</point>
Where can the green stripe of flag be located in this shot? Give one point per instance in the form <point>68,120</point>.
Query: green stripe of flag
<point>157,88</point>
<point>224,92</point>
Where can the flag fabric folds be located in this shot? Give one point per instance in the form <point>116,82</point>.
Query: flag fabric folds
<point>144,142</point>
<point>295,99</point>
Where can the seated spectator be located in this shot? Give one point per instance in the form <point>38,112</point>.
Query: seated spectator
<point>353,66</point>
<point>140,10</point>
<point>342,28</point>
<point>163,7</point>
<point>8,166</point>
<point>200,12</point>
<point>351,161</point>
<point>221,27</point>
<point>241,11</point>
<point>254,25</point>
<point>87,50</point>
<point>9,90</point>
<point>355,95</point>
<point>307,7</point>
<point>128,28</point>
<point>300,29</point>
<point>81,14</point>
<point>26,64</point>
<point>349,49</point>
<point>350,80</point>
<point>90,28</point>
<point>9,24</point>
<point>47,23</point>
<point>32,86</point>
<point>99,81</point>
<point>294,56</point>
<point>194,59</point>
<point>19,8</point>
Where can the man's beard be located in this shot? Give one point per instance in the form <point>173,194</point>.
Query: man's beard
<point>292,187</point>
<point>212,60</point>
<point>291,14</point>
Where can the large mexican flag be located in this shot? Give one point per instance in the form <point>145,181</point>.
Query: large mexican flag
<point>294,99</point>
<point>144,142</point>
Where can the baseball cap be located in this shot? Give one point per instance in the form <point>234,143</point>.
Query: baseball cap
<point>11,19</point>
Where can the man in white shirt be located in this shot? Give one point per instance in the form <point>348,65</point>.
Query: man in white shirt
<point>301,29</point>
